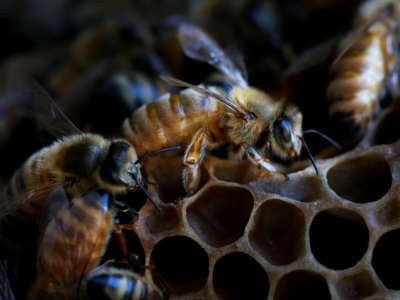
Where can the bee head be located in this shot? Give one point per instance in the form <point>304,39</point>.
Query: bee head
<point>284,134</point>
<point>118,165</point>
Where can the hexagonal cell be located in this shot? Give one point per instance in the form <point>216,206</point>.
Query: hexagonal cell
<point>357,286</point>
<point>300,188</point>
<point>387,131</point>
<point>301,285</point>
<point>339,238</point>
<point>220,214</point>
<point>167,174</point>
<point>168,220</point>
<point>181,263</point>
<point>232,171</point>
<point>361,179</point>
<point>278,232</point>
<point>385,259</point>
<point>388,213</point>
<point>239,276</point>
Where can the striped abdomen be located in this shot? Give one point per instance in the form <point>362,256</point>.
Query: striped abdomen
<point>171,120</point>
<point>115,284</point>
<point>28,188</point>
<point>74,158</point>
<point>72,244</point>
<point>359,76</point>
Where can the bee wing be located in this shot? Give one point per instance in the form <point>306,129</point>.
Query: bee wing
<point>56,201</point>
<point>39,104</point>
<point>237,57</point>
<point>317,55</point>
<point>355,35</point>
<point>73,241</point>
<point>14,196</point>
<point>6,292</point>
<point>198,45</point>
<point>241,113</point>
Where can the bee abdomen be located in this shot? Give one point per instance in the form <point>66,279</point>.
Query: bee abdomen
<point>73,243</point>
<point>27,182</point>
<point>358,77</point>
<point>116,287</point>
<point>171,120</point>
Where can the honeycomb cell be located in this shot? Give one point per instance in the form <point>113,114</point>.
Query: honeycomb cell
<point>389,212</point>
<point>357,286</point>
<point>181,263</point>
<point>278,232</point>
<point>361,179</point>
<point>238,276</point>
<point>301,285</point>
<point>339,238</point>
<point>168,220</point>
<point>220,214</point>
<point>385,259</point>
<point>240,172</point>
<point>167,173</point>
<point>387,131</point>
<point>301,188</point>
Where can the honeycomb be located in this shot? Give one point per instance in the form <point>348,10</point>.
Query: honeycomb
<point>247,236</point>
<point>243,235</point>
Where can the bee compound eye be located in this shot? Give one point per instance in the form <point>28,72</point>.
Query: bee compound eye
<point>283,130</point>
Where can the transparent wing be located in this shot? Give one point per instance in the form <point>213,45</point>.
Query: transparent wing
<point>38,104</point>
<point>6,292</point>
<point>315,56</point>
<point>198,45</point>
<point>56,201</point>
<point>241,113</point>
<point>11,199</point>
<point>237,57</point>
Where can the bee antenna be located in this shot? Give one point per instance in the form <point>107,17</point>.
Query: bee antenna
<point>146,192</point>
<point>327,138</point>
<point>309,155</point>
<point>140,159</point>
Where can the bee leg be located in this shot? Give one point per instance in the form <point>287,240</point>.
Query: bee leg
<point>120,239</point>
<point>255,158</point>
<point>132,259</point>
<point>192,160</point>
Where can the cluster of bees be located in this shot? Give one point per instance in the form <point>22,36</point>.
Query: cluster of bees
<point>64,197</point>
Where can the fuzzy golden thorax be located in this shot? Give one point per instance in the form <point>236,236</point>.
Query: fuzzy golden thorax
<point>275,128</point>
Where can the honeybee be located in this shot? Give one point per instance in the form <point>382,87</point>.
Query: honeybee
<point>72,244</point>
<point>110,281</point>
<point>202,117</point>
<point>113,70</point>
<point>79,162</point>
<point>118,94</point>
<point>366,64</point>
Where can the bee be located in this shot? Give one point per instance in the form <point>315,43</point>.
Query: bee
<point>365,66</point>
<point>79,162</point>
<point>72,244</point>
<point>118,94</point>
<point>113,71</point>
<point>110,281</point>
<point>202,117</point>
